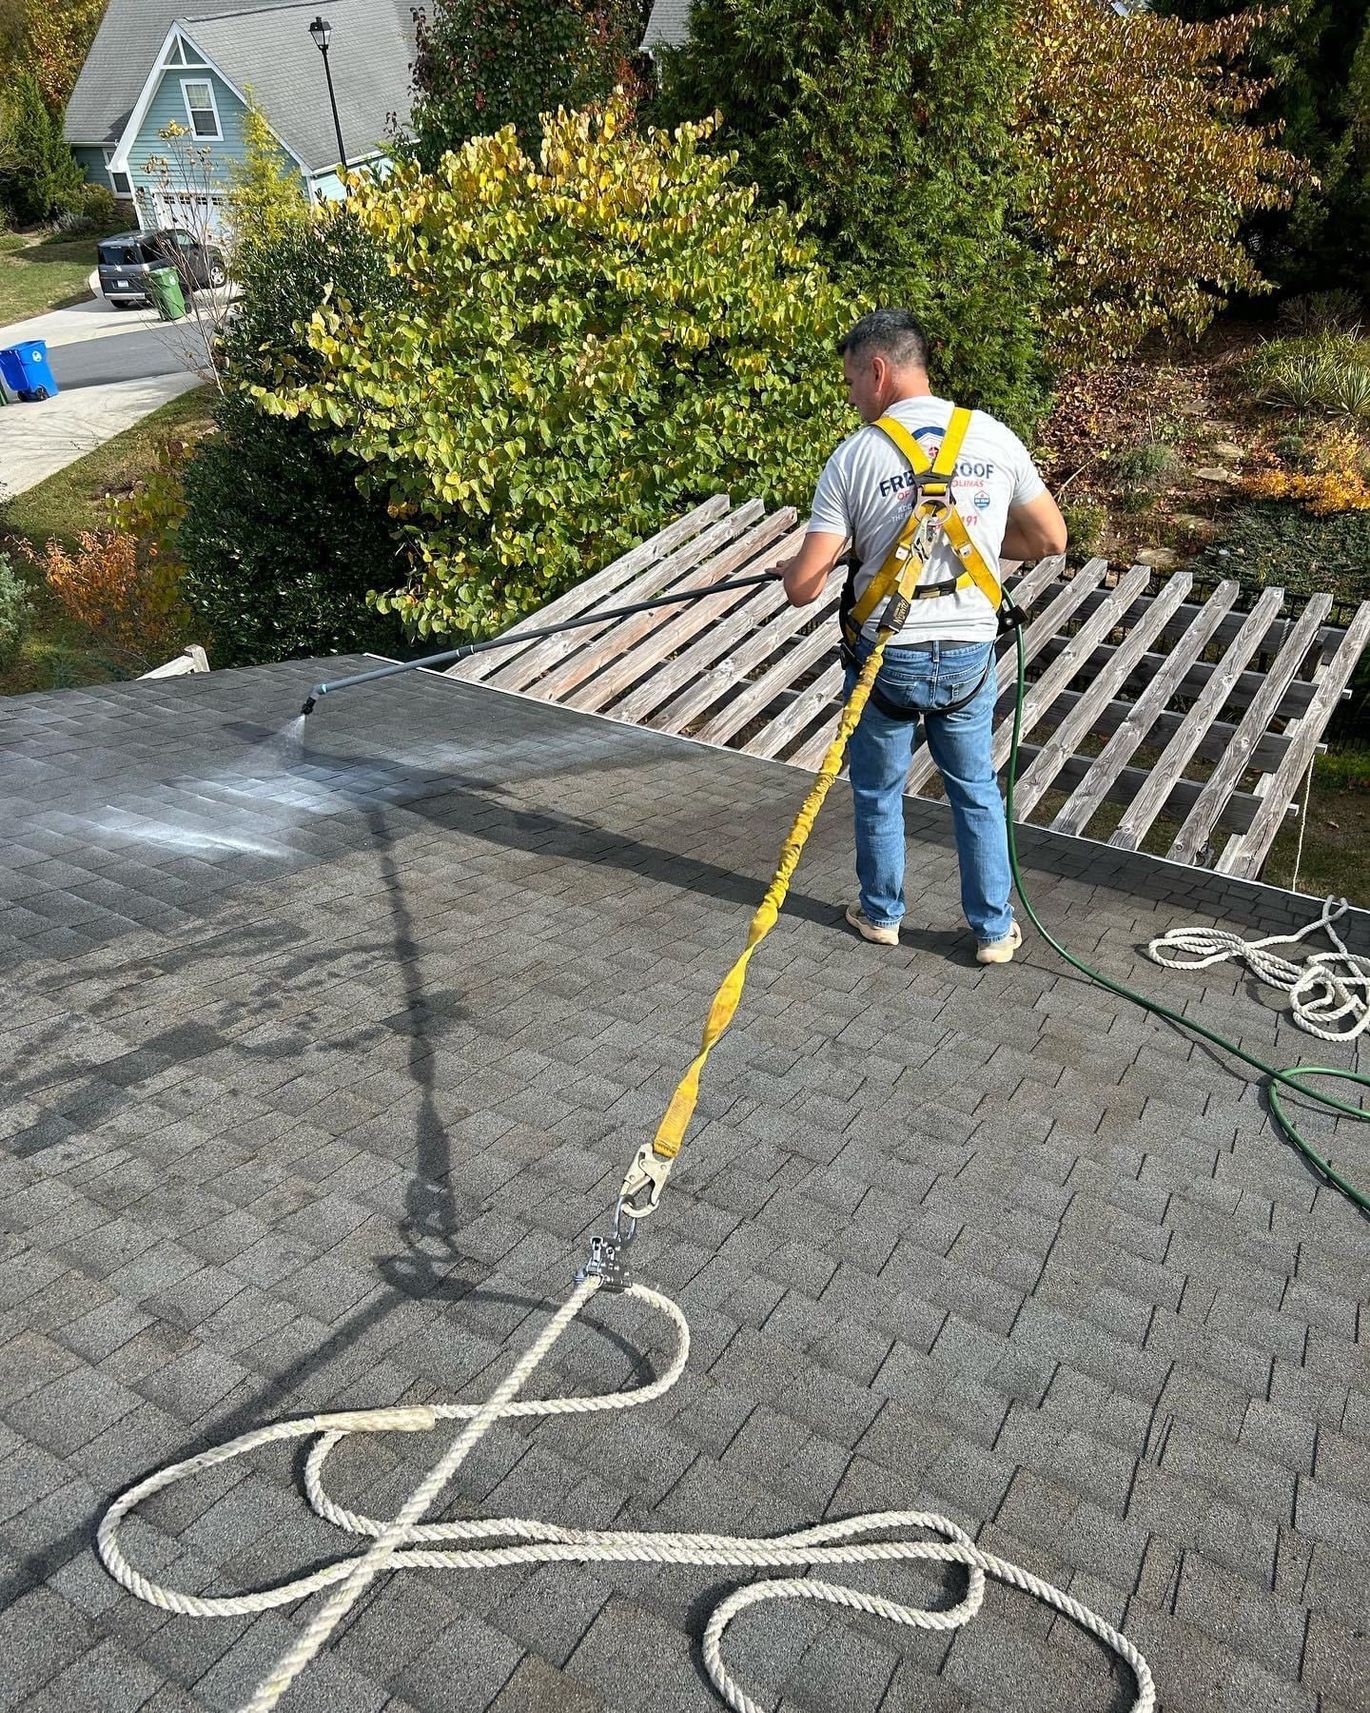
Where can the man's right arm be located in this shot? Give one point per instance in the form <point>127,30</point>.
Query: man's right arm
<point>1034,530</point>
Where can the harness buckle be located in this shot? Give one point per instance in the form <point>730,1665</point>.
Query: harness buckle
<point>1011,616</point>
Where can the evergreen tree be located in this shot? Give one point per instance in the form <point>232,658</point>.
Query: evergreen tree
<point>890,123</point>
<point>38,173</point>
<point>484,64</point>
<point>1316,55</point>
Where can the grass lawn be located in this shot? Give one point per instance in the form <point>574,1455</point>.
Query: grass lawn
<point>1336,841</point>
<point>57,654</point>
<point>38,272</point>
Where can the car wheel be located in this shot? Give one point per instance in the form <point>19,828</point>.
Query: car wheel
<point>123,303</point>
<point>218,273</point>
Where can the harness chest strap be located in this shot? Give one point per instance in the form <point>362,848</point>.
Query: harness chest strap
<point>905,562</point>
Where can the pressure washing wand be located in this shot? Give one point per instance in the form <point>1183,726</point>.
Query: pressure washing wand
<point>509,638</point>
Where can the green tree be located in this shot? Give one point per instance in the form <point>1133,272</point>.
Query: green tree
<point>38,173</point>
<point>891,125</point>
<point>281,546</point>
<point>585,345</point>
<point>484,64</point>
<point>1316,57</point>
<point>266,197</point>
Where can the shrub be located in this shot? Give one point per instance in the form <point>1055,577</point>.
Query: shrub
<point>484,64</point>
<point>1338,481</point>
<point>1086,522</point>
<point>127,600</point>
<point>1149,161</point>
<point>895,138</point>
<point>281,547</point>
<point>16,612</point>
<point>1269,542</point>
<point>582,348</point>
<point>1150,465</point>
<point>1329,375</point>
<point>1318,312</point>
<point>91,208</point>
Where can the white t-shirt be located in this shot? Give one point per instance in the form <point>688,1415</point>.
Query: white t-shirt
<point>866,490</point>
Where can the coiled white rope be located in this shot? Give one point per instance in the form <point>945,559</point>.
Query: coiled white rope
<point>1324,989</point>
<point>408,1543</point>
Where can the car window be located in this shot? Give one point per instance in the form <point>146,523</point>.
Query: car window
<point>184,239</point>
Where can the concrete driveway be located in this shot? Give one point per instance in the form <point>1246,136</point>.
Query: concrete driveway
<point>114,366</point>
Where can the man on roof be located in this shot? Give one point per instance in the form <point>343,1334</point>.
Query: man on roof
<point>938,673</point>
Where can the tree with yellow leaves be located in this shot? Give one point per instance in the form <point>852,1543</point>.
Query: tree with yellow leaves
<point>1146,163</point>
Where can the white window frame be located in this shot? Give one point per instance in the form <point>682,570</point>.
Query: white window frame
<point>202,137</point>
<point>126,194</point>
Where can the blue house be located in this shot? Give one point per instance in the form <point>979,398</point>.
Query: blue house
<point>199,62</point>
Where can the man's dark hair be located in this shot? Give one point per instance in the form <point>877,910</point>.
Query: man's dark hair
<point>891,333</point>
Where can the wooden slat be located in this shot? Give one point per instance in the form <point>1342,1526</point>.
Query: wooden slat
<point>1296,697</point>
<point>634,647</point>
<point>1203,817</point>
<point>722,626</point>
<point>530,672</point>
<point>1239,811</point>
<point>810,753</point>
<point>584,595</point>
<point>1039,696</point>
<point>1145,807</point>
<point>1066,601</point>
<point>1243,856</point>
<point>772,636</point>
<point>753,698</point>
<point>1081,719</point>
<point>1268,754</point>
<point>1077,812</point>
<point>810,704</point>
<point>1274,639</point>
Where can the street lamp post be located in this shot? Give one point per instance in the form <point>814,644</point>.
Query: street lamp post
<point>322,32</point>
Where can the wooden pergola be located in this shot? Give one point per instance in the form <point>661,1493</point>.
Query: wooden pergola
<point>1153,714</point>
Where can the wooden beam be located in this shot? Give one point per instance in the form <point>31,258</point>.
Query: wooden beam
<point>1039,696</point>
<point>1076,814</point>
<point>1244,856</point>
<point>1066,601</point>
<point>1084,715</point>
<point>1296,697</point>
<point>1203,817</point>
<point>813,702</point>
<point>538,671</point>
<point>1275,638</point>
<point>1239,811</point>
<point>722,628</point>
<point>637,646</point>
<point>584,595</point>
<point>753,698</point>
<point>1131,830</point>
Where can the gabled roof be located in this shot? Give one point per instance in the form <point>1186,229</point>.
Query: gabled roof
<point>266,44</point>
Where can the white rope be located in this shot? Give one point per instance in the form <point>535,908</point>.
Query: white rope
<point>408,1543</point>
<point>1326,989</point>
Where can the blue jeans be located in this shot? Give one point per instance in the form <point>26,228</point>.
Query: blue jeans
<point>879,757</point>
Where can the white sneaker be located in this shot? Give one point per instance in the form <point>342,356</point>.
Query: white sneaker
<point>882,936</point>
<point>1000,951</point>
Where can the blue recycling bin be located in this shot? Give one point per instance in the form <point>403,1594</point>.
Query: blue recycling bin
<point>27,373</point>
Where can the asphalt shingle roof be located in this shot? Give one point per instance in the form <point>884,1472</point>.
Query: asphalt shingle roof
<point>321,1066</point>
<point>266,44</point>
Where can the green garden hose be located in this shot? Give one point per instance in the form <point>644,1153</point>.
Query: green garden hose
<point>1276,1079</point>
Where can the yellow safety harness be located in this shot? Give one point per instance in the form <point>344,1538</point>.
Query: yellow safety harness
<point>897,583</point>
<point>933,513</point>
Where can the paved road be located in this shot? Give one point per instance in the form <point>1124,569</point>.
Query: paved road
<point>167,349</point>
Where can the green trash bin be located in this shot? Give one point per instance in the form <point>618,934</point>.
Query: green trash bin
<point>165,285</point>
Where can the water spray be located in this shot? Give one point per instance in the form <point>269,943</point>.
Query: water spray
<point>449,657</point>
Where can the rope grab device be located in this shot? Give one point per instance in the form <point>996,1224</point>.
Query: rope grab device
<point>407,1541</point>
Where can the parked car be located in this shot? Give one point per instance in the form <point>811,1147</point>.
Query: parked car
<point>126,258</point>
